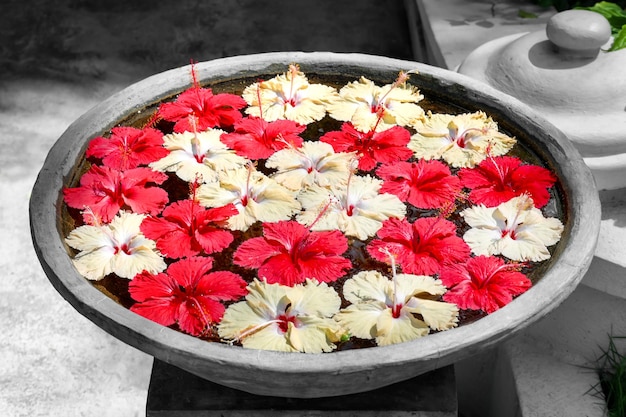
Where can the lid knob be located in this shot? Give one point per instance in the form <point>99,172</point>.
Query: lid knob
<point>578,33</point>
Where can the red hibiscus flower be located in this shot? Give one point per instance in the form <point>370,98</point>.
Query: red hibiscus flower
<point>497,180</point>
<point>255,138</point>
<point>186,294</point>
<point>372,147</point>
<point>483,283</point>
<point>421,248</point>
<point>104,191</point>
<point>425,184</point>
<point>288,253</point>
<point>198,109</point>
<point>188,229</point>
<point>128,147</point>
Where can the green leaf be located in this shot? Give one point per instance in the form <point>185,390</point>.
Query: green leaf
<point>619,41</point>
<point>526,15</point>
<point>611,11</point>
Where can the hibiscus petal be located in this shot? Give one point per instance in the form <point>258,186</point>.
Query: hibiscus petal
<point>222,285</point>
<point>141,258</point>
<point>288,96</point>
<point>535,181</point>
<point>314,335</point>
<point>204,108</point>
<point>255,138</point>
<point>422,247</point>
<point>313,163</point>
<point>437,315</point>
<point>128,147</point>
<point>188,272</point>
<point>462,140</point>
<point>484,283</point>
<point>361,319</point>
<point>406,327</point>
<point>254,252</point>
<point>515,229</point>
<point>146,286</point>
<point>94,265</point>
<point>195,314</point>
<point>149,200</point>
<point>425,184</point>
<point>160,310</point>
<point>362,102</point>
<point>269,318</point>
<point>367,286</point>
<point>314,298</point>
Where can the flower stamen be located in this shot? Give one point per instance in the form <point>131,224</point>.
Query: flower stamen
<point>396,308</point>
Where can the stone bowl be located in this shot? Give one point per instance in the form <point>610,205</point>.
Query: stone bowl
<point>301,375</point>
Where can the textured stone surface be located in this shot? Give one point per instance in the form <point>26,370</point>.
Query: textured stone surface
<point>55,362</point>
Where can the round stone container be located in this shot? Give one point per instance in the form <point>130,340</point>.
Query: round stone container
<point>338,373</point>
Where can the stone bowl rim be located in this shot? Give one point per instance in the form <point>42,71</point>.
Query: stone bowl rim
<point>423,354</point>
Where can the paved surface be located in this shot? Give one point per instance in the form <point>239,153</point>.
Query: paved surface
<point>58,59</point>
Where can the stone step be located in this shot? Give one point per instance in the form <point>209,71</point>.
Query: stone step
<point>546,385</point>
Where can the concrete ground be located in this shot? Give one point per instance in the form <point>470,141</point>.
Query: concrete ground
<point>58,59</point>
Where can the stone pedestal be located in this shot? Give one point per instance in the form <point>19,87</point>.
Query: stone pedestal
<point>177,393</point>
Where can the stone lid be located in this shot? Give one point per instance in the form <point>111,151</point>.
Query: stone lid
<point>566,74</point>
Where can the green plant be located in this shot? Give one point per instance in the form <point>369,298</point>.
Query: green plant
<point>611,368</point>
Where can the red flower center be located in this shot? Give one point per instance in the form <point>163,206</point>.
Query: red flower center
<point>283,322</point>
<point>511,233</point>
<point>124,248</point>
<point>395,310</point>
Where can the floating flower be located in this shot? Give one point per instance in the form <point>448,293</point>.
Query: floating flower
<point>497,180</point>
<point>356,208</point>
<point>424,184</point>
<point>128,147</point>
<point>187,294</point>
<point>289,319</point>
<point>383,183</point>
<point>288,96</point>
<point>483,283</point>
<point>371,147</point>
<point>422,247</point>
<point>397,310</point>
<point>255,138</point>
<point>198,109</point>
<point>197,155</point>
<point>104,191</point>
<point>313,163</point>
<point>515,229</point>
<point>288,253</point>
<point>462,140</point>
<point>188,229</point>
<point>115,248</point>
<point>256,196</point>
<point>370,107</point>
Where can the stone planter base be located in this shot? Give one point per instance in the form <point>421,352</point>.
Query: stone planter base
<point>174,392</point>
